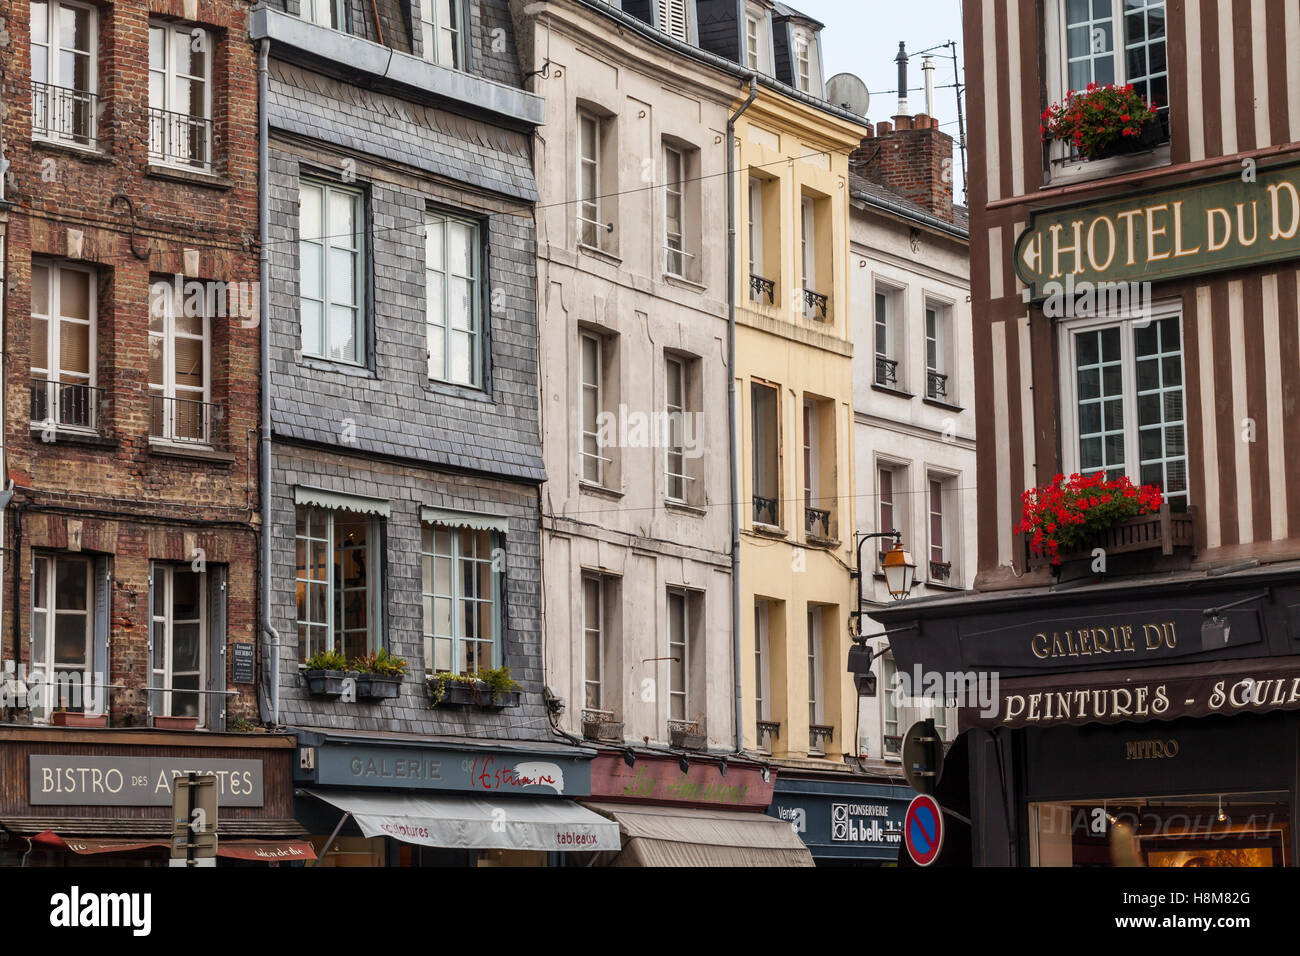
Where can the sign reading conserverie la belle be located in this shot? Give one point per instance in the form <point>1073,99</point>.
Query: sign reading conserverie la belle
<point>1225,223</point>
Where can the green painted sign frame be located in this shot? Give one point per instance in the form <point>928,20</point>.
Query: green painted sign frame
<point>1239,220</point>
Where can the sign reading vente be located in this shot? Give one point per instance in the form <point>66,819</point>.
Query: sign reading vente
<point>72,780</point>
<point>1224,223</point>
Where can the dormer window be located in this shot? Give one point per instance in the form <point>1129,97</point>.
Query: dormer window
<point>802,64</point>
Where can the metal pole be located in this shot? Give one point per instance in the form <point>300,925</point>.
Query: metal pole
<point>333,836</point>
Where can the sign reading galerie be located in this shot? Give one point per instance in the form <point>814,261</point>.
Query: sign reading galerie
<point>73,780</point>
<point>1251,218</point>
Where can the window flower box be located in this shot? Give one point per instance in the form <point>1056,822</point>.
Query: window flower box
<point>493,689</point>
<point>175,723</point>
<point>601,725</point>
<point>378,686</point>
<point>322,683</point>
<point>685,735</point>
<point>1104,121</point>
<point>71,718</point>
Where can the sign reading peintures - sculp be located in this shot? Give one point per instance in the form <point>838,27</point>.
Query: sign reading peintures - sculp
<point>73,780</point>
<point>1249,218</point>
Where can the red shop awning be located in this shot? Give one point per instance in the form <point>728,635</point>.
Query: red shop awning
<point>267,851</point>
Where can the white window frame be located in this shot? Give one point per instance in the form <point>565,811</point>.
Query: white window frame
<point>1061,166</point>
<point>808,248</point>
<point>374,582</point>
<point>325,13</point>
<point>898,497</point>
<point>592,390</point>
<point>53,50</point>
<point>802,62</point>
<point>326,242</point>
<point>178,120</point>
<point>440,222</point>
<point>675,254</point>
<point>591,228</point>
<point>755,230</point>
<point>676,367</point>
<point>947,544</point>
<point>54,319</point>
<point>167,337</point>
<point>763,443</point>
<point>1066,331</point>
<point>44,669</point>
<point>429,555</point>
<point>816,678</point>
<point>753,41</point>
<point>940,341</point>
<point>597,631</point>
<point>682,647</point>
<point>432,28</point>
<point>888,707</point>
<point>676,19</point>
<point>164,581</point>
<point>762,660</point>
<point>892,324</point>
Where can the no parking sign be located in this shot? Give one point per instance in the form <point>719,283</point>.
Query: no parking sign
<point>923,829</point>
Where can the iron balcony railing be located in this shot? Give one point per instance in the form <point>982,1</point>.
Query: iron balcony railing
<point>936,384</point>
<point>765,511</point>
<point>940,570</point>
<point>179,139</point>
<point>759,287</point>
<point>64,114</point>
<point>66,405</point>
<point>886,371</point>
<point>817,521</point>
<point>184,421</point>
<point>814,302</point>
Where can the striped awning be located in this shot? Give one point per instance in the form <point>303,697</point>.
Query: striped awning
<point>338,501</point>
<point>464,519</point>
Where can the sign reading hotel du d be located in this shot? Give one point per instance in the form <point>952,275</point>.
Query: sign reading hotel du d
<point>1251,218</point>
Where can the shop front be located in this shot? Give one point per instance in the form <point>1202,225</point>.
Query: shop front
<point>688,810</point>
<point>843,822</point>
<point>1123,724</point>
<point>390,800</point>
<point>104,797</point>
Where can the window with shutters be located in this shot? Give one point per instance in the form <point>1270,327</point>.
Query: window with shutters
<point>62,635</point>
<point>676,21</point>
<point>63,371</point>
<point>180,642</point>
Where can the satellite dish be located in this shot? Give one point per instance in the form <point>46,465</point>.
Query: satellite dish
<point>848,92</point>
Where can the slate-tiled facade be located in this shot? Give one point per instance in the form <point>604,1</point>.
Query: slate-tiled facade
<point>383,429</point>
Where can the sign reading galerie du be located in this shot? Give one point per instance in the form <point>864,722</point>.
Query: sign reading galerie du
<point>73,780</point>
<point>1250,218</point>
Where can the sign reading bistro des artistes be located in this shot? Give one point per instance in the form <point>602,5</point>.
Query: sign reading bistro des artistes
<point>73,780</point>
<point>1249,218</point>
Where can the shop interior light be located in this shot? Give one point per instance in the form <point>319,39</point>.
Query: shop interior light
<point>1222,816</point>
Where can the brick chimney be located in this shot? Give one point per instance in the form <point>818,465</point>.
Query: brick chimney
<point>911,157</point>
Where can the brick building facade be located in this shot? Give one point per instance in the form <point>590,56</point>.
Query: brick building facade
<point>131,347</point>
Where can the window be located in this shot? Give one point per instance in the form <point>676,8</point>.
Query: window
<point>462,599</point>
<point>888,516</point>
<point>180,95</point>
<point>760,286</point>
<point>442,33</point>
<point>591,229</point>
<point>938,494</point>
<point>1110,41</point>
<point>676,21</point>
<point>179,346</point>
<point>893,742</point>
<point>887,373</point>
<point>807,251</point>
<point>762,662</point>
<point>938,337</point>
<point>1127,385</point>
<point>63,606</point>
<point>816,741</point>
<point>751,41</point>
<point>180,640</point>
<point>338,578</point>
<point>674,174</point>
<point>64,72</point>
<point>327,13</point>
<point>818,466</point>
<point>679,669</point>
<point>593,645</point>
<point>766,461</point>
<point>677,370</point>
<point>591,348</point>
<point>803,70</point>
<point>63,391</point>
<point>891,487</point>
<point>330,272</point>
<point>451,271</point>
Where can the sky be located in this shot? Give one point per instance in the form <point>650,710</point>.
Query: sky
<point>862,37</point>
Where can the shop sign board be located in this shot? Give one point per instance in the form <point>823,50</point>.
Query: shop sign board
<point>432,768</point>
<point>121,781</point>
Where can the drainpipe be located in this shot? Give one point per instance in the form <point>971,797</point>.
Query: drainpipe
<point>271,646</point>
<point>731,409</point>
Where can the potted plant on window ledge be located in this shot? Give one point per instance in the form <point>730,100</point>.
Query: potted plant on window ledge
<point>1105,121</point>
<point>490,687</point>
<point>685,735</point>
<point>1066,519</point>
<point>326,672</point>
<point>62,717</point>
<point>601,725</point>
<point>379,675</point>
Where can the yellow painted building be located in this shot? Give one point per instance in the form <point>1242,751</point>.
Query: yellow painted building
<point>794,384</point>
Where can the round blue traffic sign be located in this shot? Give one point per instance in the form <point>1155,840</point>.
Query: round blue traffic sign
<point>923,829</point>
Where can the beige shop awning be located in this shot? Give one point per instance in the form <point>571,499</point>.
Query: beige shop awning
<point>668,836</point>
